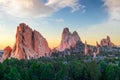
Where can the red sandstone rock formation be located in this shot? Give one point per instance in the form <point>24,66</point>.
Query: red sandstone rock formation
<point>97,48</point>
<point>86,48</point>
<point>7,53</point>
<point>68,40</point>
<point>29,44</point>
<point>107,42</point>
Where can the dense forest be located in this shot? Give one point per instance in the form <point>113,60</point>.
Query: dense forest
<point>64,68</point>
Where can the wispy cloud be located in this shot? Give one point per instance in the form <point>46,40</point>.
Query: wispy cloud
<point>36,8</point>
<point>113,7</point>
<point>25,8</point>
<point>59,4</point>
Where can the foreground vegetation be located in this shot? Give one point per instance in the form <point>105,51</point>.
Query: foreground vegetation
<point>71,67</point>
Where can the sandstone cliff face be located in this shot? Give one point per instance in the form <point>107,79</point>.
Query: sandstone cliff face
<point>68,40</point>
<point>40,45</point>
<point>106,42</point>
<point>29,44</point>
<point>23,46</point>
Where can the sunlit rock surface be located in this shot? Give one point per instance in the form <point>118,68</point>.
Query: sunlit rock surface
<point>6,53</point>
<point>107,42</point>
<point>68,40</point>
<point>29,44</point>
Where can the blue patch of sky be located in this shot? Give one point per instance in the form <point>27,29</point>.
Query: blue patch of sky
<point>95,13</point>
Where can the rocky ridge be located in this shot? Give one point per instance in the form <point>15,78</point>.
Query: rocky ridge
<point>31,44</point>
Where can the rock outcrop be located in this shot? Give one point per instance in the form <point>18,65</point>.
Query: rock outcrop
<point>86,48</point>
<point>7,53</point>
<point>89,49</point>
<point>29,44</point>
<point>68,40</point>
<point>106,42</point>
<point>97,48</point>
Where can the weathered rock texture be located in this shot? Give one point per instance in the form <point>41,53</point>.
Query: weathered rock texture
<point>29,44</point>
<point>89,49</point>
<point>68,40</point>
<point>106,42</point>
<point>7,53</point>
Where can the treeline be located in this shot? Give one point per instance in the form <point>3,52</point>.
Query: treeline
<point>58,69</point>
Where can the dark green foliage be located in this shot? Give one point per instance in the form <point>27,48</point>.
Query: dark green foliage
<point>92,70</point>
<point>76,70</point>
<point>112,72</point>
<point>73,67</point>
<point>11,73</point>
<point>61,73</point>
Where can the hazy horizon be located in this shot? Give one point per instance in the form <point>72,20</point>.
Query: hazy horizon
<point>93,20</point>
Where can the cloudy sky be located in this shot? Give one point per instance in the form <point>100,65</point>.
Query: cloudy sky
<point>92,19</point>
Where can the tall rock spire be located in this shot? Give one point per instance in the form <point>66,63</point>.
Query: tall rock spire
<point>68,40</point>
<point>107,42</point>
<point>97,48</point>
<point>86,48</point>
<point>29,44</point>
